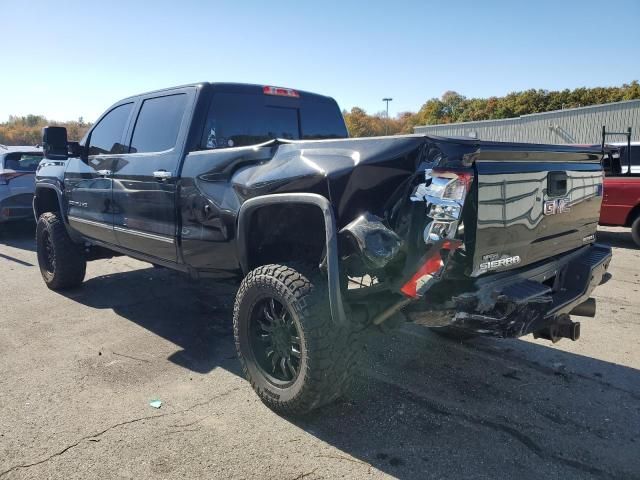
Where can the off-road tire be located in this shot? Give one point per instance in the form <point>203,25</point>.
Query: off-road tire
<point>67,266</point>
<point>635,231</point>
<point>329,352</point>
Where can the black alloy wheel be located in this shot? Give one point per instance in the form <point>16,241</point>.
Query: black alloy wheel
<point>275,341</point>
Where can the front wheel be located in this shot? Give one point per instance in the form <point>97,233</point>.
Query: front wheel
<point>61,261</point>
<point>295,357</point>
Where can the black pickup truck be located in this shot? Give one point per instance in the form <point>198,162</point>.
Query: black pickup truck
<point>325,235</point>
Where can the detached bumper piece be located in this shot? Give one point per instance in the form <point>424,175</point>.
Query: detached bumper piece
<point>535,300</point>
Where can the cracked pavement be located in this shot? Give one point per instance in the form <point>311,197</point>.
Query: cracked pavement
<point>77,372</point>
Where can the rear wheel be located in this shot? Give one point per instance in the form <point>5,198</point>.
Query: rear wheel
<point>295,357</point>
<point>635,231</point>
<point>61,261</point>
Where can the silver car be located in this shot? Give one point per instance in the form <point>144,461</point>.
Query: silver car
<point>17,170</point>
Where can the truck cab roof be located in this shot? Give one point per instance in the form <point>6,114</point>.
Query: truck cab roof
<point>229,87</point>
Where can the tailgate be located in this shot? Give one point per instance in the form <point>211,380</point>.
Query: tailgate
<point>534,204</point>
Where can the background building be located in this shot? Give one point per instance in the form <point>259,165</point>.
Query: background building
<point>573,125</point>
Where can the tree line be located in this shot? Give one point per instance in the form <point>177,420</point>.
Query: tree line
<point>27,130</point>
<point>453,107</point>
<point>449,108</point>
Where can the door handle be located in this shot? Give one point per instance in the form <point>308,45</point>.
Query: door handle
<point>162,175</point>
<point>104,173</point>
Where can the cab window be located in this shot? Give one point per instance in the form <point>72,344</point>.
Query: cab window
<point>106,137</point>
<point>158,124</point>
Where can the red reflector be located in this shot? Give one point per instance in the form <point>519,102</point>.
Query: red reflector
<point>283,92</point>
<point>432,266</point>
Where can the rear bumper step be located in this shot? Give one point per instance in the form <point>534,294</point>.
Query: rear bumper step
<point>538,299</point>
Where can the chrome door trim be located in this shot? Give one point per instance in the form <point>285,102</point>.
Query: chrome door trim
<point>152,236</point>
<point>108,226</point>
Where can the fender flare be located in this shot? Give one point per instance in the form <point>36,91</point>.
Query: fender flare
<point>333,267</point>
<point>58,196</point>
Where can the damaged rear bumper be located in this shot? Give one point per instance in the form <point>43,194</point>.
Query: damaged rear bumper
<point>516,303</point>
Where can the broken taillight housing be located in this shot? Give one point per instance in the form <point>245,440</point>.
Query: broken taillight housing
<point>444,192</point>
<point>449,185</point>
<point>430,270</point>
<point>445,196</point>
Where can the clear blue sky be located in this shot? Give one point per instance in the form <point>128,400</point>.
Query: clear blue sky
<point>65,59</point>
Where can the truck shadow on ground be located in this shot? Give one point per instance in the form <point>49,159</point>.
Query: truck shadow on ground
<point>422,406</point>
<point>425,407</point>
<point>194,316</point>
<point>18,235</point>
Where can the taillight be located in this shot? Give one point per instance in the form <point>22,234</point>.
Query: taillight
<point>283,92</point>
<point>444,192</point>
<point>449,185</point>
<point>445,196</point>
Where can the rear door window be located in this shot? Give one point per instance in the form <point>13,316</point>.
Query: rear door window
<point>158,124</point>
<point>22,162</point>
<point>106,137</point>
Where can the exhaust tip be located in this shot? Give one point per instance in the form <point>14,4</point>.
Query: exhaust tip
<point>585,309</point>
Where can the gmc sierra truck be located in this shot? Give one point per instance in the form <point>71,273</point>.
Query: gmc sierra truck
<point>325,235</point>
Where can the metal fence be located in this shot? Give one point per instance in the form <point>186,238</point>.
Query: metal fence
<point>574,125</point>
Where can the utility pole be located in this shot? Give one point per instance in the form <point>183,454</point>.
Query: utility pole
<point>386,126</point>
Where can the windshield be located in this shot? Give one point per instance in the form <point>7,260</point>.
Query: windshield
<point>22,162</point>
<point>240,119</point>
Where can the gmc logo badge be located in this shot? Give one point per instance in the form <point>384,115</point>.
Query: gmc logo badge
<point>552,207</point>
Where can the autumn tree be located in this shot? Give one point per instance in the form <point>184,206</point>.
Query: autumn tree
<point>27,130</point>
<point>454,107</point>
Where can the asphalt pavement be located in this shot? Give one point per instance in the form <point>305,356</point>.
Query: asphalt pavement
<point>78,371</point>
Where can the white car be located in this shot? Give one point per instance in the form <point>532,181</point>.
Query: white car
<point>17,171</point>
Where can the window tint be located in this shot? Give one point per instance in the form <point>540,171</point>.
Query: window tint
<point>22,162</point>
<point>107,135</point>
<point>322,119</point>
<point>237,120</point>
<point>158,124</point>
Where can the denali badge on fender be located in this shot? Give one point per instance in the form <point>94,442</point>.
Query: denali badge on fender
<point>559,205</point>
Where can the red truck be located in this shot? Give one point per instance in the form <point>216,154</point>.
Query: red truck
<point>621,201</point>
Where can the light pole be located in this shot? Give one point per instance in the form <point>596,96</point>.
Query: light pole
<point>386,126</point>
